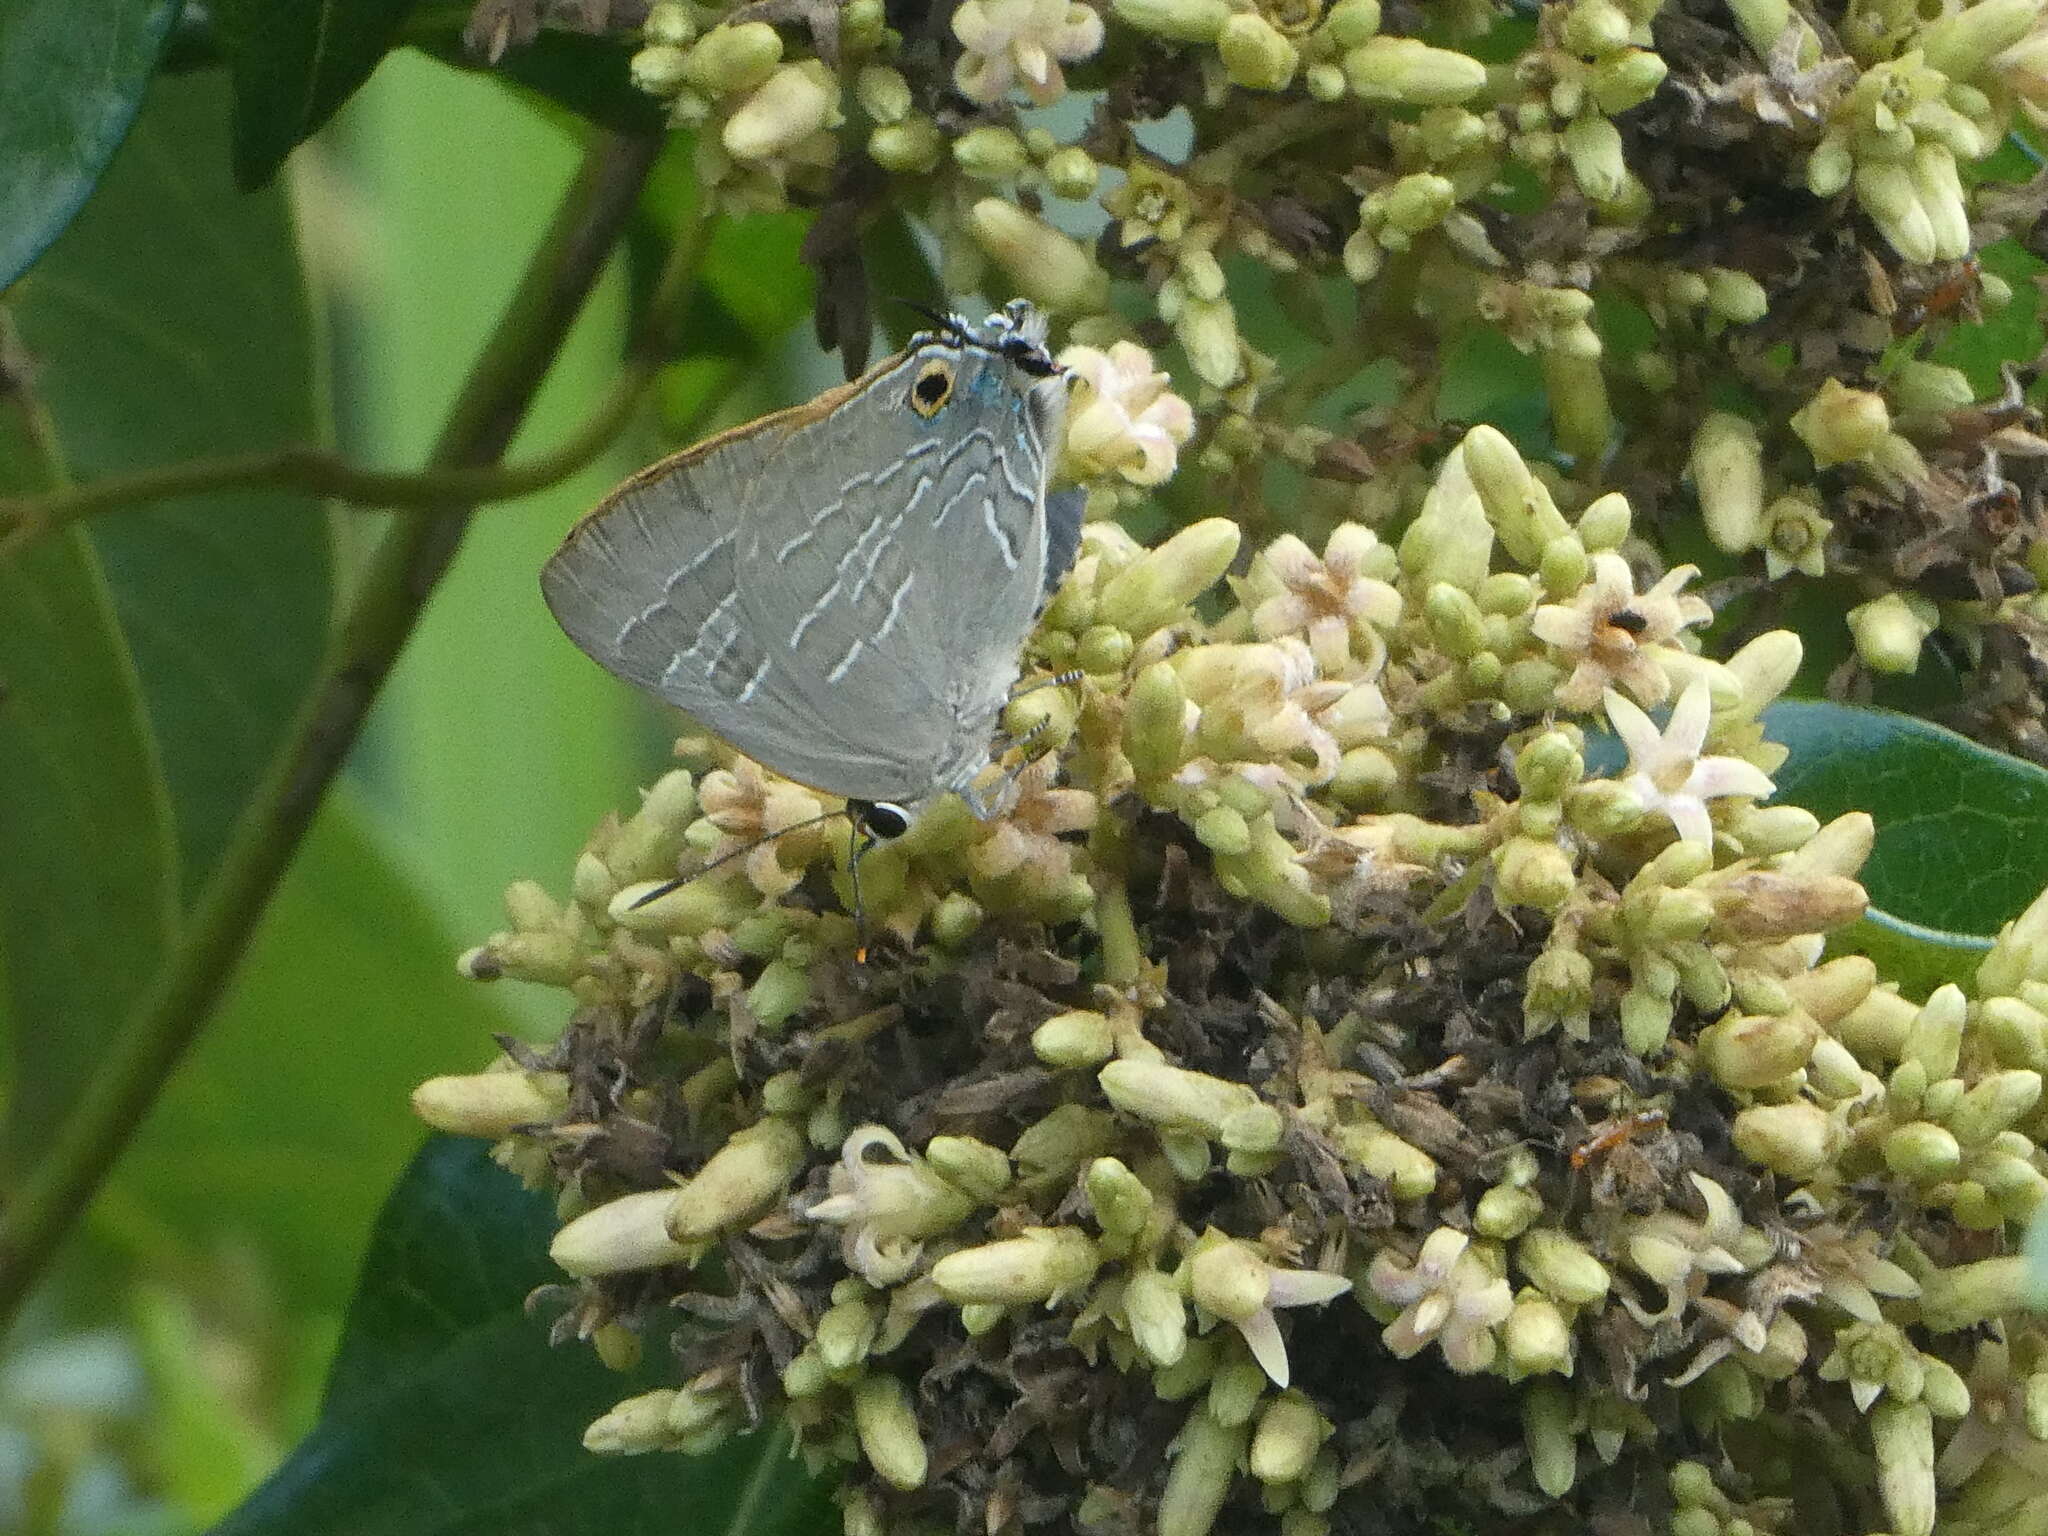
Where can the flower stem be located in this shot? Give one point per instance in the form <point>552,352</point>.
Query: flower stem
<point>400,577</point>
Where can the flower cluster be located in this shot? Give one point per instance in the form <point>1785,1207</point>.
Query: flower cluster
<point>1322,1098</point>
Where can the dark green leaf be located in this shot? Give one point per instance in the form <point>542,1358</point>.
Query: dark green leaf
<point>190,342</point>
<point>169,323</point>
<point>69,87</point>
<point>88,884</point>
<point>449,1415</point>
<point>294,62</point>
<point>1962,831</point>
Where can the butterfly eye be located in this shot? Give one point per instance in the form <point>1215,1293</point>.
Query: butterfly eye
<point>934,387</point>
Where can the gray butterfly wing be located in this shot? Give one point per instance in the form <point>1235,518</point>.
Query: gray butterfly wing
<point>902,589</point>
<point>647,587</point>
<point>1063,513</point>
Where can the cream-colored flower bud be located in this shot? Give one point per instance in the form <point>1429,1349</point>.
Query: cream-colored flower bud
<point>1506,1211</point>
<point>1796,1139</point>
<point>1155,736</point>
<point>1560,1266</point>
<point>1122,1203</point>
<point>1046,266</point>
<point>669,21</point>
<point>1349,23</point>
<point>1886,191</point>
<point>633,1427</point>
<point>788,107</point>
<point>845,1335</point>
<point>1156,1316</point>
<point>738,1182</point>
<point>1255,54</point>
<point>1941,197</point>
<point>1042,1264</point>
<point>1230,1279</point>
<point>1626,80</point>
<point>1205,1459</point>
<point>1406,69</point>
<point>491,1104</point>
<point>1180,21</point>
<point>883,93</point>
<point>1922,1151</point>
<point>1727,472</point>
<point>1207,331</point>
<point>1153,590</point>
<point>1290,1433</point>
<point>1970,1294</point>
<point>1747,1053</point>
<point>886,1422</point>
<point>660,70</point>
<point>1902,1435</point>
<point>971,1166</point>
<point>732,59</point>
<point>1537,1338</point>
<point>990,153</point>
<point>1930,388</point>
<point>1548,1416</point>
<point>1410,1172</point>
<point>1592,147</point>
<point>1840,424</point>
<point>1072,172</point>
<point>625,1234</point>
<point>1962,42</point>
<point>1997,1102</point>
<point>1082,1038</point>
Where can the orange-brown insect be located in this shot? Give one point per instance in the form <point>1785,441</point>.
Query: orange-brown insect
<point>1613,1133</point>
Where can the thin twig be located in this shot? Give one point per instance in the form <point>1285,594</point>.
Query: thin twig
<point>400,577</point>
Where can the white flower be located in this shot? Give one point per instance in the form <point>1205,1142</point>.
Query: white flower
<point>1124,419</point>
<point>1666,770</point>
<point>886,1209</point>
<point>1450,1294</point>
<point>1230,1279</point>
<point>1331,600</point>
<point>1021,42</point>
<point>1612,634</point>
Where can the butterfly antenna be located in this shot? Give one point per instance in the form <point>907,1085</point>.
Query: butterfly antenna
<point>740,852</point>
<point>945,323</point>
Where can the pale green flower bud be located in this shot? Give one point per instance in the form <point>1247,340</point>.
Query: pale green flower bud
<point>883,93</point>
<point>1418,202</point>
<point>788,107</point>
<point>1930,388</point>
<point>1627,79</point>
<point>625,1234</point>
<point>2016,1032</point>
<point>1887,193</point>
<point>1325,82</point>
<point>1410,1172</point>
<point>1155,737</point>
<point>1405,69</point>
<point>1840,424</point>
<point>1122,1204</point>
<point>845,1336</point>
<point>732,59</point>
<point>1290,1433</point>
<point>1752,1052</point>
<point>1795,1139</point>
<point>1535,873</point>
<point>669,22</point>
<point>1996,1103</point>
<point>491,1104</point>
<point>1923,1152</point>
<point>990,153</point>
<point>1205,1459</point>
<point>1604,524</point>
<point>1156,1316</point>
<point>1046,266</point>
<point>862,24</point>
<point>1153,590</point>
<point>649,841</point>
<point>1180,21</point>
<point>1970,1294</point>
<point>1596,26</point>
<point>660,70</point>
<point>1072,172</point>
<point>1727,472</point>
<point>1548,1415</point>
<point>738,1182</point>
<point>1830,166</point>
<point>1351,22</point>
<point>630,1428</point>
<point>1506,1211</point>
<point>909,148</point>
<point>1736,296</point>
<point>886,1422</point>
<point>1764,669</point>
<point>1455,622</point>
<point>1078,1039</point>
<point>1961,43</point>
<point>1042,1264</point>
<point>1560,1266</point>
<point>1592,147</point>
<point>1834,1071</point>
<point>973,1167</point>
<point>1537,1338</point>
<point>1207,330</point>
<point>1223,830</point>
<point>1941,197</point>
<point>1902,1435</point>
<point>1254,53</point>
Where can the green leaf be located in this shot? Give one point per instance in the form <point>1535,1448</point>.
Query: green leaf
<point>289,1118</point>
<point>294,62</point>
<point>591,76</point>
<point>88,883</point>
<point>191,341</point>
<point>1962,831</point>
<point>449,1415</point>
<point>69,87</point>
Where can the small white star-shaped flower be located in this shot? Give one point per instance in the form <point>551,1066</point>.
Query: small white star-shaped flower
<point>1666,771</point>
<point>1021,43</point>
<point>1125,418</point>
<point>1449,1295</point>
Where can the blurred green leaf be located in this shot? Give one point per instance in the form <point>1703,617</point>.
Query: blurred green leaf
<point>290,1117</point>
<point>68,90</point>
<point>1962,831</point>
<point>591,76</point>
<point>294,62</point>
<point>88,885</point>
<point>192,342</point>
<point>449,1415</point>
